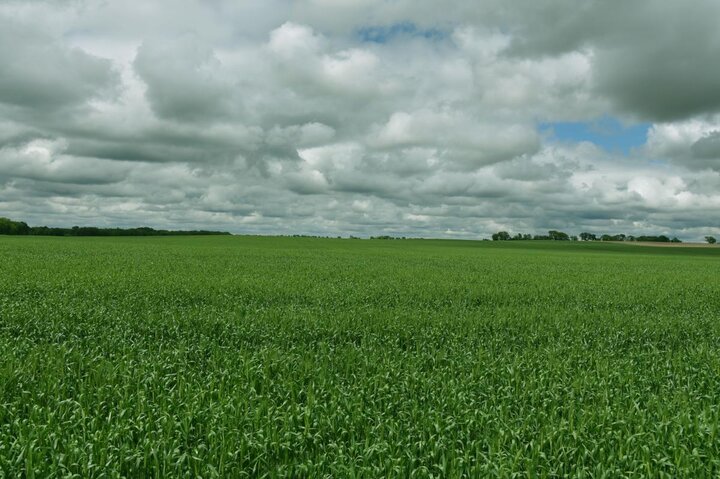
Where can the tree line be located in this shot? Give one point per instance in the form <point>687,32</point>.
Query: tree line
<point>10,227</point>
<point>554,235</point>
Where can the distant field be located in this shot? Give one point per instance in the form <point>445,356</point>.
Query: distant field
<point>669,245</point>
<point>294,357</point>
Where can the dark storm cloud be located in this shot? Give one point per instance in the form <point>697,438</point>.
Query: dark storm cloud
<point>41,73</point>
<point>654,59</point>
<point>184,80</point>
<point>708,147</point>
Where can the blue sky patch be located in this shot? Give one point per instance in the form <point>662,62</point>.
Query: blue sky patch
<point>607,132</point>
<point>387,33</point>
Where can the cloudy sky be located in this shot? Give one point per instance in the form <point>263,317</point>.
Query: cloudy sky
<point>406,117</point>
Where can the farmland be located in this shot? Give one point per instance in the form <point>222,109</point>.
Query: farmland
<point>300,357</point>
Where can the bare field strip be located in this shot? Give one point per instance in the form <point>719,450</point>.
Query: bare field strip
<point>665,245</point>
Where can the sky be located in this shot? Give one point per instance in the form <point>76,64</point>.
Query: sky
<point>412,118</point>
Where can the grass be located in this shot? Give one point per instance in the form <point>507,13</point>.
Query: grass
<point>295,357</point>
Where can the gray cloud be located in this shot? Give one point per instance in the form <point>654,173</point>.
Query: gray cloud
<point>41,73</point>
<point>708,147</point>
<point>185,80</point>
<point>656,60</point>
<point>671,71</point>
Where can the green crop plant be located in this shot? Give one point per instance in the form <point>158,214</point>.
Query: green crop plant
<point>300,357</point>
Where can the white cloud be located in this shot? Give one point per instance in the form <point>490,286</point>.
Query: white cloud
<point>292,42</point>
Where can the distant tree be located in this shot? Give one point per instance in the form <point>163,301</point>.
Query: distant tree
<point>620,237</point>
<point>10,227</point>
<point>541,238</point>
<point>558,235</point>
<point>710,239</point>
<point>501,236</point>
<point>574,238</point>
<point>654,239</point>
<point>675,240</point>
<point>588,237</point>
<point>5,226</point>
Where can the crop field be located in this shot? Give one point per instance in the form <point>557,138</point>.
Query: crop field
<point>300,357</point>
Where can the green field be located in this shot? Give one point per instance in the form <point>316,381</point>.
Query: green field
<point>295,357</point>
